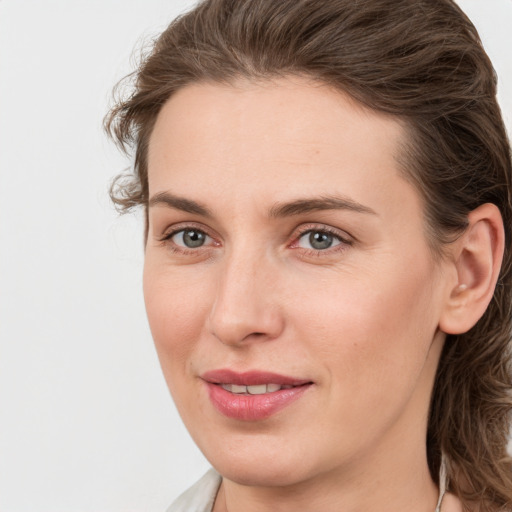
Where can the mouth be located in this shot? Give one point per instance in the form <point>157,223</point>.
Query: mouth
<point>258,389</point>
<point>252,396</point>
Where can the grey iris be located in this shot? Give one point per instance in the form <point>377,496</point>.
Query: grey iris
<point>193,238</point>
<point>320,240</point>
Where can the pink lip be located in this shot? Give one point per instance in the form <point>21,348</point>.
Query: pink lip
<point>252,407</point>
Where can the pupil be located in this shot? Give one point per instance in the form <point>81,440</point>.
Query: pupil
<point>319,240</point>
<point>193,238</point>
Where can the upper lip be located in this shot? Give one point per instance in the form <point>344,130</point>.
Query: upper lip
<point>250,378</point>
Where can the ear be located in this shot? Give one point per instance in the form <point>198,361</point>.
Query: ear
<point>477,257</point>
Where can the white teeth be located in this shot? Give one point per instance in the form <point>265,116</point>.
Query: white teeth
<point>258,389</point>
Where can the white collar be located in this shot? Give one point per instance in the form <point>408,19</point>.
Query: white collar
<point>442,483</point>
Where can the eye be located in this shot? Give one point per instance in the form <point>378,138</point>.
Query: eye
<point>318,240</point>
<point>190,238</point>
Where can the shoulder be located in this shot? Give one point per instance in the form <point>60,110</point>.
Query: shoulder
<point>200,497</point>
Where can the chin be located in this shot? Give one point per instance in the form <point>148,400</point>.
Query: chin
<point>261,460</point>
<point>270,474</point>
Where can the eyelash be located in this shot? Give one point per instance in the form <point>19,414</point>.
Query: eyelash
<point>166,240</point>
<point>344,242</point>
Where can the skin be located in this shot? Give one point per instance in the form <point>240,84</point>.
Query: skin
<point>360,319</point>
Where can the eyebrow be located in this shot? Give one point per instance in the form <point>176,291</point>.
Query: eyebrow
<point>307,205</point>
<point>179,203</point>
<point>288,209</point>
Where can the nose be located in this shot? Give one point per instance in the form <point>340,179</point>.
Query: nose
<point>246,306</point>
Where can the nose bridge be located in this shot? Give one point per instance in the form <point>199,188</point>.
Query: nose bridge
<point>244,306</point>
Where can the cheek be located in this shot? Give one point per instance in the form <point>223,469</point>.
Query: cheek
<point>176,306</point>
<point>373,330</point>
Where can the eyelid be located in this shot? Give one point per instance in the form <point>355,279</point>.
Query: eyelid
<point>345,238</point>
<point>165,240</point>
<point>170,231</point>
<point>339,233</point>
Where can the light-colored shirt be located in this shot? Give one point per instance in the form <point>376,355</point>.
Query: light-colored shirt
<point>201,496</point>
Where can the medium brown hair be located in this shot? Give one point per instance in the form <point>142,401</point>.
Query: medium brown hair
<point>421,61</point>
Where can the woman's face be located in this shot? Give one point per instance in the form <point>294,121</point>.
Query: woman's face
<point>289,286</point>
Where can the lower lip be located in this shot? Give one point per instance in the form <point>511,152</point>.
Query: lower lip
<point>253,407</point>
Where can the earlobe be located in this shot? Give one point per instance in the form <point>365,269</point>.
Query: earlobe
<point>477,259</point>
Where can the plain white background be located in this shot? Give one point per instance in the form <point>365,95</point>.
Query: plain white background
<point>86,423</point>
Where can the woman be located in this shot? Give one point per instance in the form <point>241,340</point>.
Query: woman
<point>327,187</point>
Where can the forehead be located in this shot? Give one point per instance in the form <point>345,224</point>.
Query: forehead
<point>274,138</point>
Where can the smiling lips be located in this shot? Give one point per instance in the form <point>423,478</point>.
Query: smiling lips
<point>252,396</point>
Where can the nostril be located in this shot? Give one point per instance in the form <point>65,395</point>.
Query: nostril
<point>234,321</point>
